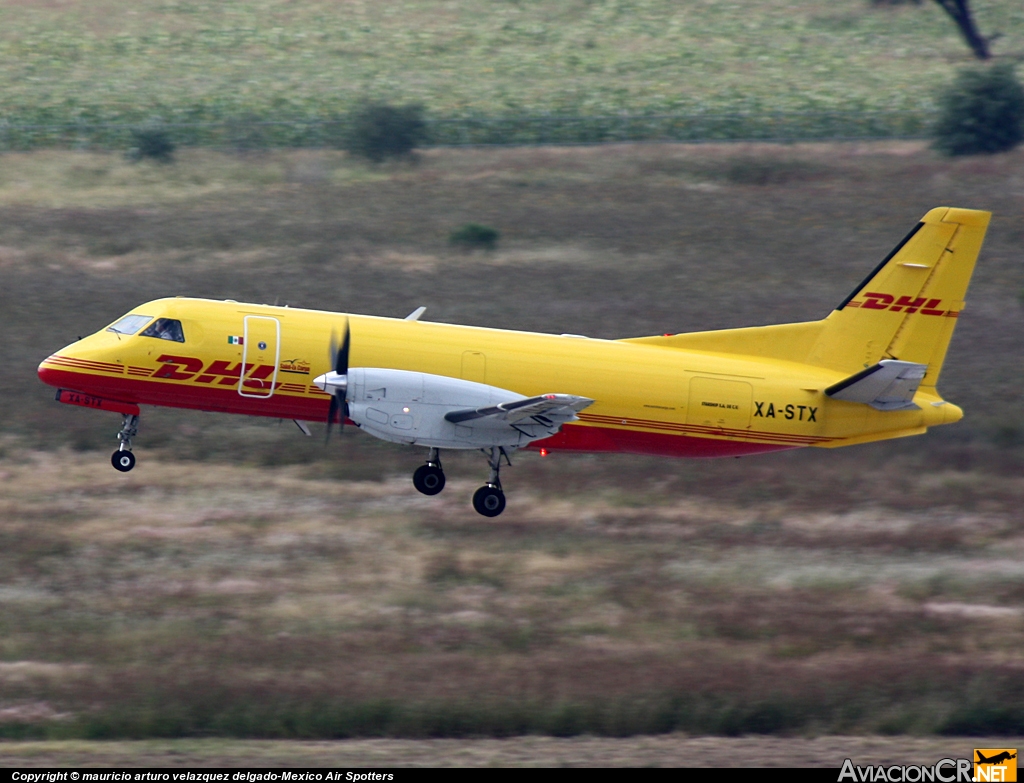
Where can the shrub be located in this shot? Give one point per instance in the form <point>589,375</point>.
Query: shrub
<point>983,112</point>
<point>377,131</point>
<point>474,235</point>
<point>152,142</point>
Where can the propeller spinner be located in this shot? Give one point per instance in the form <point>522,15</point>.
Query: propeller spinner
<point>336,382</point>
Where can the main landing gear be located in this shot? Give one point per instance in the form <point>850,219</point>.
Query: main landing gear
<point>123,459</point>
<point>489,500</point>
<point>429,478</point>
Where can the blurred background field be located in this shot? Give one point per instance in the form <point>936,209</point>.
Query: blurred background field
<point>246,581</point>
<point>240,63</point>
<point>664,750</point>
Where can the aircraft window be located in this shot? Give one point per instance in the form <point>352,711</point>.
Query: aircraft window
<point>165,329</point>
<point>130,324</point>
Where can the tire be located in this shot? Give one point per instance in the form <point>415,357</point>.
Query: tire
<point>428,479</point>
<point>122,460</point>
<point>489,501</point>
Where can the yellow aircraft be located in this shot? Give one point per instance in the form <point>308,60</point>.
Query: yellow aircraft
<point>866,372</point>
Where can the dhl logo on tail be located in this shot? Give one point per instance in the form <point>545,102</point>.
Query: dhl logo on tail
<point>876,301</point>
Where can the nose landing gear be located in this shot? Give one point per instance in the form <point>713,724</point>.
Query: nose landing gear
<point>489,500</point>
<point>123,459</point>
<point>429,478</point>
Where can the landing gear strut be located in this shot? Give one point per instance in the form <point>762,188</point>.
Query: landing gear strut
<point>123,459</point>
<point>489,500</point>
<point>429,478</point>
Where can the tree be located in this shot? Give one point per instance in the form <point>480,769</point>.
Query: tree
<point>960,12</point>
<point>982,112</point>
<point>377,131</point>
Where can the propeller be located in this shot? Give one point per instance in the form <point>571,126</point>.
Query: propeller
<point>336,382</point>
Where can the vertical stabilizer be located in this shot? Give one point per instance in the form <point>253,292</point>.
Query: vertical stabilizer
<point>907,308</point>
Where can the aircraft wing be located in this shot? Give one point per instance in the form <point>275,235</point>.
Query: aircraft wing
<point>554,408</point>
<point>888,386</point>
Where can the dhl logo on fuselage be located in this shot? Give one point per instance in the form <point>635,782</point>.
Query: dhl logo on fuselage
<point>185,368</point>
<point>219,372</point>
<point>876,301</point>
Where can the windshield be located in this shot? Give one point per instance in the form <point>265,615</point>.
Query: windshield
<point>130,324</point>
<point>166,329</point>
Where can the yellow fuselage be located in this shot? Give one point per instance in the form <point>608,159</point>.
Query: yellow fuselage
<point>647,398</point>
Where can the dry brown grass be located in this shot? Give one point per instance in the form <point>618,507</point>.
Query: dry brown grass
<point>240,583</point>
<point>672,750</point>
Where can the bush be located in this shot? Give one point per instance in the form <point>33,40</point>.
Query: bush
<point>377,131</point>
<point>983,112</point>
<point>474,235</point>
<point>152,142</point>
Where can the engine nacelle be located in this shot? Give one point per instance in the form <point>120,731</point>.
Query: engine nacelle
<point>409,407</point>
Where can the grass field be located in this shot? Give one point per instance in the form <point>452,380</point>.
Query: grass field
<point>671,750</point>
<point>245,581</point>
<point>188,600</point>
<point>271,59</point>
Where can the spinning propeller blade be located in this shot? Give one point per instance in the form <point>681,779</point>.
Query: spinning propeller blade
<point>340,358</point>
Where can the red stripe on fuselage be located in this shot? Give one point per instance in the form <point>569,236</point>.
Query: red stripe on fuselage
<point>573,437</point>
<point>184,395</point>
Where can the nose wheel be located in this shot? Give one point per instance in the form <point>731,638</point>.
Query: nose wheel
<point>429,478</point>
<point>123,459</point>
<point>489,500</point>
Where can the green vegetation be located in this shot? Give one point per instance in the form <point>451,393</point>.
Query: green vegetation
<point>474,235</point>
<point>152,142</point>
<point>377,131</point>
<point>272,60</point>
<point>982,113</point>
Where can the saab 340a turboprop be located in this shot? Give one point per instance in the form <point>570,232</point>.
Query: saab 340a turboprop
<point>866,372</point>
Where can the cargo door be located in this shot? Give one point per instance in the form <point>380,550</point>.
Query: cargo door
<point>261,356</point>
<point>718,403</point>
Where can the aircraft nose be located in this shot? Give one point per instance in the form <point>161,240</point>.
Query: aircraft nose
<point>47,372</point>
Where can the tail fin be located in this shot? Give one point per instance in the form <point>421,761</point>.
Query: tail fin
<point>905,309</point>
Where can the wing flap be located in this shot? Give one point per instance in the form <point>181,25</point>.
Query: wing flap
<point>558,408</point>
<point>889,385</point>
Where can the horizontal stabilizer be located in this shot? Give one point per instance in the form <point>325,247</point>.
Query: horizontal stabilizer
<point>888,386</point>
<point>553,407</point>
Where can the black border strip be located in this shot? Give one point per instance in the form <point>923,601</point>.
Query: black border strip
<point>847,382</point>
<point>881,266</point>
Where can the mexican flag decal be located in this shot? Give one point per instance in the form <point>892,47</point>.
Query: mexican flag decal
<point>235,341</point>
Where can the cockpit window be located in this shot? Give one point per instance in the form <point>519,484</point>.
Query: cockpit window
<point>130,324</point>
<point>166,329</point>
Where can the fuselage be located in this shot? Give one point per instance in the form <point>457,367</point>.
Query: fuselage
<point>260,360</point>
